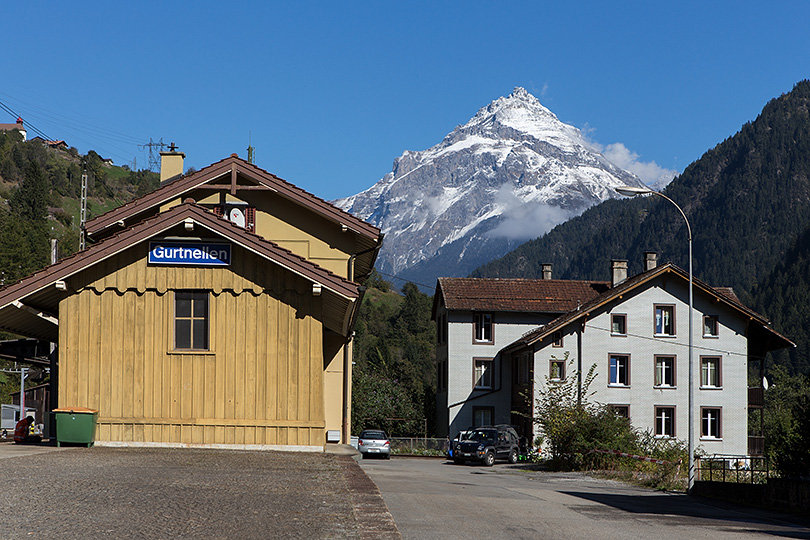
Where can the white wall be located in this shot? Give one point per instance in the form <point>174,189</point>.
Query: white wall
<point>460,397</point>
<point>642,346</point>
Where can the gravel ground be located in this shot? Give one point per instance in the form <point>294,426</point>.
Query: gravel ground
<point>117,493</point>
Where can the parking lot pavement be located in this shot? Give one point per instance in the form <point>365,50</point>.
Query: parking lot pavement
<point>9,449</point>
<point>69,493</point>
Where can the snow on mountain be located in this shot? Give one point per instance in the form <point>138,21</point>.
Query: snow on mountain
<point>510,174</point>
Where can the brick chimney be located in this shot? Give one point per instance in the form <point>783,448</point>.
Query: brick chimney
<point>546,270</point>
<point>618,271</point>
<point>650,260</point>
<point>171,163</point>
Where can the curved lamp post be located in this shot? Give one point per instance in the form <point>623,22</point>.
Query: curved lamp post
<point>630,191</point>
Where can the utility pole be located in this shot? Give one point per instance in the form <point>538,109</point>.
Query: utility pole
<point>83,218</point>
<point>23,375</point>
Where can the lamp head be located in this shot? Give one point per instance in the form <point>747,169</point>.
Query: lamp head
<point>631,191</point>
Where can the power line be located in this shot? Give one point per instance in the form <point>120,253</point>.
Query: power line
<point>72,122</point>
<point>78,129</point>
<point>431,287</point>
<point>28,124</point>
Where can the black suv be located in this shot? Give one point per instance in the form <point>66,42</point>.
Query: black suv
<point>486,444</point>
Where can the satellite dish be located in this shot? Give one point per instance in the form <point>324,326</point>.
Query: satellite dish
<point>237,216</point>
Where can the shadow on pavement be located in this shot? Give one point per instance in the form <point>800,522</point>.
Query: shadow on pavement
<point>699,508</point>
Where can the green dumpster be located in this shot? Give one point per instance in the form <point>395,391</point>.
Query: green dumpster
<point>76,425</point>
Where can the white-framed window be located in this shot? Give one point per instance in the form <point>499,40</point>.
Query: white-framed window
<point>619,370</point>
<point>664,320</point>
<point>710,373</point>
<point>618,324</point>
<point>482,328</point>
<point>482,373</point>
<point>665,422</point>
<point>191,321</point>
<point>556,370</point>
<point>665,371</point>
<point>710,423</point>
<point>711,327</point>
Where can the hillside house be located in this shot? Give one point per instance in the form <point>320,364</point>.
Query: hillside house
<point>59,145</point>
<point>634,330</point>
<point>17,126</point>
<point>216,310</point>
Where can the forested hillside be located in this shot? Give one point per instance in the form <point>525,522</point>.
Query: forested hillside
<point>40,190</point>
<point>748,203</point>
<point>394,379</point>
<point>785,296</point>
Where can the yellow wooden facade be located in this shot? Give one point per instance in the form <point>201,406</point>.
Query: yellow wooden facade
<point>260,382</point>
<point>276,371</point>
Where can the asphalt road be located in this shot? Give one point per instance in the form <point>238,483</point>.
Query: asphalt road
<point>430,498</point>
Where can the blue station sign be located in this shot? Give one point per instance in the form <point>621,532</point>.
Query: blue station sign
<point>190,253</point>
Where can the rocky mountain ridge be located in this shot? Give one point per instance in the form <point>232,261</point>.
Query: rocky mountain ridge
<point>510,174</point>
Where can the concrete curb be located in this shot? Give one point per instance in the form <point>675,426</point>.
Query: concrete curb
<point>372,514</point>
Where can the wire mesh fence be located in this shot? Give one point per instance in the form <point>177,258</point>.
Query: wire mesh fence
<point>419,446</point>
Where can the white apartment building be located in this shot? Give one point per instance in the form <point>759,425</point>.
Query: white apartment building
<point>491,354</point>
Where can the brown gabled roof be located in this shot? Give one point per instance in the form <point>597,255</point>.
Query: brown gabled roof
<point>232,165</point>
<point>28,307</point>
<point>721,294</point>
<point>517,295</point>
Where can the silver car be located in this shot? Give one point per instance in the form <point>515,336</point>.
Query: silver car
<point>374,442</point>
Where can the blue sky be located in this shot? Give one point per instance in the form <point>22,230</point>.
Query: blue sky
<point>330,93</point>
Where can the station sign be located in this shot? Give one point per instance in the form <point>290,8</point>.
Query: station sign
<point>190,253</point>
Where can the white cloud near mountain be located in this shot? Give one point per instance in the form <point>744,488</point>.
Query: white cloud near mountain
<point>522,220</point>
<point>649,172</point>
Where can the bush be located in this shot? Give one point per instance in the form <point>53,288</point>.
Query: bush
<point>573,427</point>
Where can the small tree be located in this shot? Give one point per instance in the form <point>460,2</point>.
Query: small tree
<point>787,423</point>
<point>573,426</point>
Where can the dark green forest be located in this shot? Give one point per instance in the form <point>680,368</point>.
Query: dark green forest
<point>748,203</point>
<point>394,379</point>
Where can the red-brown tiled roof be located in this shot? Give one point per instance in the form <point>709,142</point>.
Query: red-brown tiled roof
<point>728,293</point>
<point>337,290</point>
<point>610,294</point>
<point>516,295</point>
<point>182,184</point>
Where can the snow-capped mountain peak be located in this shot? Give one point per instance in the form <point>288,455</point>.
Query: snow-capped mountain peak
<point>511,173</point>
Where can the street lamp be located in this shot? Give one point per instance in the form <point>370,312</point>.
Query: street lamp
<point>630,191</point>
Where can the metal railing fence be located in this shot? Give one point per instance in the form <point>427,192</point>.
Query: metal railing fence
<point>730,468</point>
